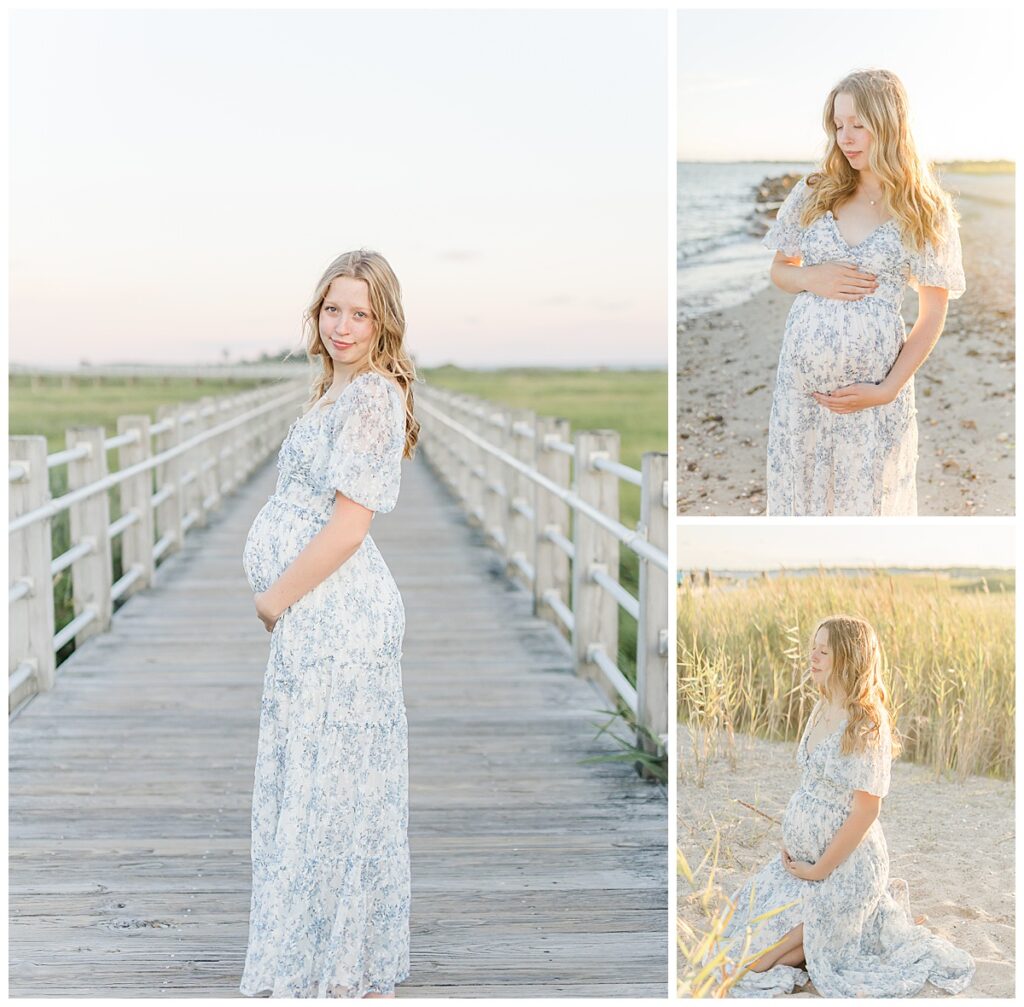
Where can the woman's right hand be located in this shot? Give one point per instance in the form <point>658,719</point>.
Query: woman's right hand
<point>839,281</point>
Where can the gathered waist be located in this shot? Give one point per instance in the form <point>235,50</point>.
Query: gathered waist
<point>828,793</point>
<point>890,301</point>
<point>297,495</point>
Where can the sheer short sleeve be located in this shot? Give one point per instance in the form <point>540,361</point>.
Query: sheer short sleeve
<point>867,769</point>
<point>941,263</point>
<point>368,442</point>
<point>785,232</point>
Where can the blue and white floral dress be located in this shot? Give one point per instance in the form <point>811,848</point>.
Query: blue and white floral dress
<point>859,938</point>
<point>862,463</point>
<point>330,857</point>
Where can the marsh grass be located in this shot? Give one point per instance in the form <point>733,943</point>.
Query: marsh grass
<point>949,651</point>
<point>708,967</point>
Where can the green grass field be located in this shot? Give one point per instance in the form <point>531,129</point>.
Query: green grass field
<point>48,406</point>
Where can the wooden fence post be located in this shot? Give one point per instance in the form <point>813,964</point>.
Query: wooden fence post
<point>137,496</point>
<point>652,629</point>
<point>91,575</point>
<point>171,512</point>
<point>477,460</point>
<point>494,491</point>
<point>206,478</point>
<point>595,611</point>
<point>31,630</point>
<point>551,564</point>
<point>521,514</point>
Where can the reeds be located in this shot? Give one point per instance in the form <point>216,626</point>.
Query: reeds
<point>948,644</point>
<point>707,966</point>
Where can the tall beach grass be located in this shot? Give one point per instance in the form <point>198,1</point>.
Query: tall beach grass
<point>948,643</point>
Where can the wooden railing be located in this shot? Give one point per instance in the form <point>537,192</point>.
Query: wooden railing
<point>171,474</point>
<point>550,505</point>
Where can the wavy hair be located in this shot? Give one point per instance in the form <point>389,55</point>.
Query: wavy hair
<point>910,192</point>
<point>387,354</point>
<point>857,665</point>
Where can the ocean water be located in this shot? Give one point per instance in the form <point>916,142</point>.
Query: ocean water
<point>719,261</point>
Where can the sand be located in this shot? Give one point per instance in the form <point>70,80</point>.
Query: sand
<point>952,842</point>
<point>965,389</point>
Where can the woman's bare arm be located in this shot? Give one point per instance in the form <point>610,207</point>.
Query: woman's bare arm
<point>931,317</point>
<point>862,814</point>
<point>788,274</point>
<point>332,546</point>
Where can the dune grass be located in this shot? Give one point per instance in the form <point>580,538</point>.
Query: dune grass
<point>949,650</point>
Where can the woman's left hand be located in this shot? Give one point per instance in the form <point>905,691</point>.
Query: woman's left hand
<point>267,615</point>
<point>852,398</point>
<point>800,868</point>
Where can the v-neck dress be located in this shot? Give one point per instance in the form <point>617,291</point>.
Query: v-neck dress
<point>862,463</point>
<point>858,938</point>
<point>330,858</point>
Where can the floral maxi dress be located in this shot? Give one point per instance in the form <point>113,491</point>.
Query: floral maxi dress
<point>330,858</point>
<point>858,939</point>
<point>862,463</point>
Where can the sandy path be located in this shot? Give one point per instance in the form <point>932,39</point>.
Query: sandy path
<point>965,390</point>
<point>952,842</point>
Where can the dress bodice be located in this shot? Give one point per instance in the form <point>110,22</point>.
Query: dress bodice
<point>882,252</point>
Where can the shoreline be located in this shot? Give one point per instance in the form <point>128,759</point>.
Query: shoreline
<point>952,842</point>
<point>727,360</point>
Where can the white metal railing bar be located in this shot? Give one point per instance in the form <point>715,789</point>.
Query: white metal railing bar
<point>617,591</point>
<point>624,472</point>
<point>599,656</point>
<point>560,609</point>
<point>553,535</point>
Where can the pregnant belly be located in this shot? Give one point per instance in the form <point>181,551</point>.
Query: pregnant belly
<point>830,343</point>
<point>277,535</point>
<point>809,825</point>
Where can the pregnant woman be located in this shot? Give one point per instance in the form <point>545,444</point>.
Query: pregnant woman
<point>842,438</point>
<point>330,859</point>
<point>844,924</point>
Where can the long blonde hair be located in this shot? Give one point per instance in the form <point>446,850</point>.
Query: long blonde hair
<point>387,354</point>
<point>857,675</point>
<point>910,192</point>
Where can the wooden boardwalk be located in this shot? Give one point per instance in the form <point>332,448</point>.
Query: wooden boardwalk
<point>131,781</point>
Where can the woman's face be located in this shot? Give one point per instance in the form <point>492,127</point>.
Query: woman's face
<point>821,658</point>
<point>852,135</point>
<point>346,322</point>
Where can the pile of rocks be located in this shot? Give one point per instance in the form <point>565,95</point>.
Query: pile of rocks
<point>768,197</point>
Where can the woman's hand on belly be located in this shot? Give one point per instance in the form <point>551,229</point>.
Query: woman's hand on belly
<point>800,869</point>
<point>839,281</point>
<point>852,398</point>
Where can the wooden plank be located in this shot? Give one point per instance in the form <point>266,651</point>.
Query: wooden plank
<point>533,872</point>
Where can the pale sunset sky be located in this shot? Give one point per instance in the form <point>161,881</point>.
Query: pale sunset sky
<point>757,546</point>
<point>752,83</point>
<point>180,179</point>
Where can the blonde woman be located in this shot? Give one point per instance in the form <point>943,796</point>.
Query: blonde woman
<point>844,924</point>
<point>842,438</point>
<point>330,858</point>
